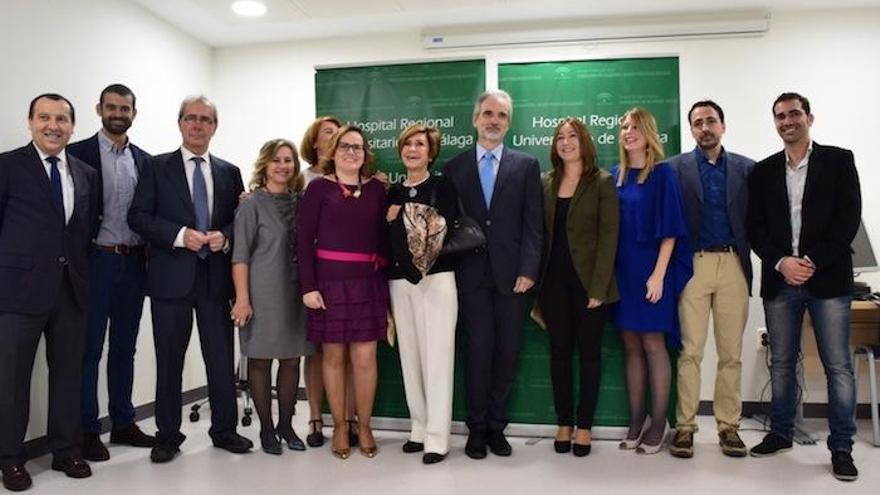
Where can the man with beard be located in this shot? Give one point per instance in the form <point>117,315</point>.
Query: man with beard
<point>714,184</point>
<point>117,272</point>
<point>501,189</point>
<point>804,213</point>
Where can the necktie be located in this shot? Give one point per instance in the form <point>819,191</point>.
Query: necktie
<point>487,177</point>
<point>55,182</point>
<point>200,201</point>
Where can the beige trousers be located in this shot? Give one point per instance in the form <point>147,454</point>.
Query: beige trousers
<point>718,286</point>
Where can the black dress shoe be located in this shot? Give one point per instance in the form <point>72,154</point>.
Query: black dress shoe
<point>93,449</point>
<point>131,435</point>
<point>498,444</point>
<point>235,443</point>
<point>411,447</point>
<point>73,467</point>
<point>16,478</point>
<point>316,437</point>
<point>432,458</point>
<point>163,452</point>
<point>562,446</point>
<point>581,449</point>
<point>270,443</point>
<point>475,448</point>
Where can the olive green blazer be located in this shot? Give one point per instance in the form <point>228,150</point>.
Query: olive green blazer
<point>592,225</point>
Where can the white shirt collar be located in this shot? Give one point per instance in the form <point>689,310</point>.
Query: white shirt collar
<point>188,155</point>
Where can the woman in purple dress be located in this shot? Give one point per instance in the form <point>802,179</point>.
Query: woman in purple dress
<point>341,241</point>
<point>652,266</point>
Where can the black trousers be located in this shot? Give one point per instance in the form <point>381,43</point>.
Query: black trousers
<point>172,327</point>
<point>571,325</point>
<point>493,326</point>
<point>65,330</point>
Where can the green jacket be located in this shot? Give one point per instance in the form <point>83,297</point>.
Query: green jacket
<point>592,225</point>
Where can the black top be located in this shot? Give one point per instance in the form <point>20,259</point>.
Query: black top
<point>442,191</point>
<point>560,256</point>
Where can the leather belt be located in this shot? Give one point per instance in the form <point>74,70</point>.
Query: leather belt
<point>718,249</point>
<point>121,249</point>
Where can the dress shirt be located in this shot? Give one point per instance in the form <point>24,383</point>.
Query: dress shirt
<point>795,180</point>
<point>189,167</point>
<point>120,179</point>
<point>715,227</point>
<point>67,188</point>
<point>496,153</point>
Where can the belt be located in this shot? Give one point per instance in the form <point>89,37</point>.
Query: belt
<point>724,248</point>
<point>350,257</point>
<point>121,249</point>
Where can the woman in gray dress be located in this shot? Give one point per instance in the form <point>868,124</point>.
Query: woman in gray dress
<point>267,308</point>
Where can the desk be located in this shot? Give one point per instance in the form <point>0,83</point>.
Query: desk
<point>864,323</point>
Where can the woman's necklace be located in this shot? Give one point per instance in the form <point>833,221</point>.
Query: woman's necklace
<point>346,193</point>
<point>412,191</point>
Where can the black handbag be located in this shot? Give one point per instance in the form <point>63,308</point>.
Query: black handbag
<point>464,235</point>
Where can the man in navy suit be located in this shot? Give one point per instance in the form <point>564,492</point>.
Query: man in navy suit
<point>804,211</point>
<point>714,184</point>
<point>184,208</point>
<point>47,201</point>
<point>501,189</point>
<point>117,273</point>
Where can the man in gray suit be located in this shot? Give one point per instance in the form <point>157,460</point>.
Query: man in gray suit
<point>501,189</point>
<point>714,184</point>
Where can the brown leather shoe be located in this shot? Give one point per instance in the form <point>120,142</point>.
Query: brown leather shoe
<point>16,478</point>
<point>93,449</point>
<point>74,467</point>
<point>731,444</point>
<point>683,444</point>
<point>132,435</point>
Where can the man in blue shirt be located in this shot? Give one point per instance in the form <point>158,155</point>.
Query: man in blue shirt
<point>714,184</point>
<point>117,273</point>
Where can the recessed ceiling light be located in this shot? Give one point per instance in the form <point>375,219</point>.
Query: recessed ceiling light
<point>249,8</point>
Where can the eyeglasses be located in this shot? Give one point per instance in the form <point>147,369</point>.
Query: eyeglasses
<point>346,147</point>
<point>202,119</point>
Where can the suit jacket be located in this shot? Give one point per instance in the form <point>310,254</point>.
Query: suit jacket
<point>512,223</point>
<point>592,227</point>
<point>739,168</point>
<point>830,215</point>
<point>89,151</point>
<point>35,243</point>
<point>162,205</point>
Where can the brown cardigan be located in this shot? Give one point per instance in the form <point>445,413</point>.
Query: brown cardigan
<point>592,225</point>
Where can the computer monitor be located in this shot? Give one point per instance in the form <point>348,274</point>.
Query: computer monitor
<point>864,259</point>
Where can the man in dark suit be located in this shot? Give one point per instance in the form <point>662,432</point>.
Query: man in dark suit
<point>501,189</point>
<point>804,211</point>
<point>117,273</point>
<point>47,200</point>
<point>715,187</point>
<point>184,208</point>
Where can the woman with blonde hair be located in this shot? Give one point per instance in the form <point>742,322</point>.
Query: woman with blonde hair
<point>652,267</point>
<point>341,247</point>
<point>577,283</point>
<point>270,317</point>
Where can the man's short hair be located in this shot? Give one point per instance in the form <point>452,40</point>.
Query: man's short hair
<point>53,97</point>
<point>493,93</point>
<point>706,103</point>
<point>193,99</point>
<point>805,103</point>
<point>118,89</point>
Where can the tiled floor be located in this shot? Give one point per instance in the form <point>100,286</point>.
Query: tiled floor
<point>533,469</point>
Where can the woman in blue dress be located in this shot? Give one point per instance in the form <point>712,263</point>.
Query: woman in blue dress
<point>652,267</point>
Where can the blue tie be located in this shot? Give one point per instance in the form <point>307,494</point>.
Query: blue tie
<point>200,201</point>
<point>55,182</point>
<point>487,177</point>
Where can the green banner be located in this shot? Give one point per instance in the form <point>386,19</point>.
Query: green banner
<point>597,93</point>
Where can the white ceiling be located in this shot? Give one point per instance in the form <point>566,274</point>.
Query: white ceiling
<point>214,23</point>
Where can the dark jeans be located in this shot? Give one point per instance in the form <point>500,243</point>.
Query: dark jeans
<point>785,314</point>
<point>117,294</point>
<point>571,325</point>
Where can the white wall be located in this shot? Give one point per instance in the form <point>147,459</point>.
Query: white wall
<point>267,91</point>
<point>76,48</point>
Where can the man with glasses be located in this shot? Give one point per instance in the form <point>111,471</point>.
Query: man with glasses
<point>804,211</point>
<point>184,208</point>
<point>117,273</point>
<point>714,185</point>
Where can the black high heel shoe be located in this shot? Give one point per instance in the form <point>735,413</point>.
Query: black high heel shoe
<point>270,442</point>
<point>316,437</point>
<point>292,439</point>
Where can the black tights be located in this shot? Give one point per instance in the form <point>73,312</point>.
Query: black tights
<point>286,382</point>
<point>646,355</point>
